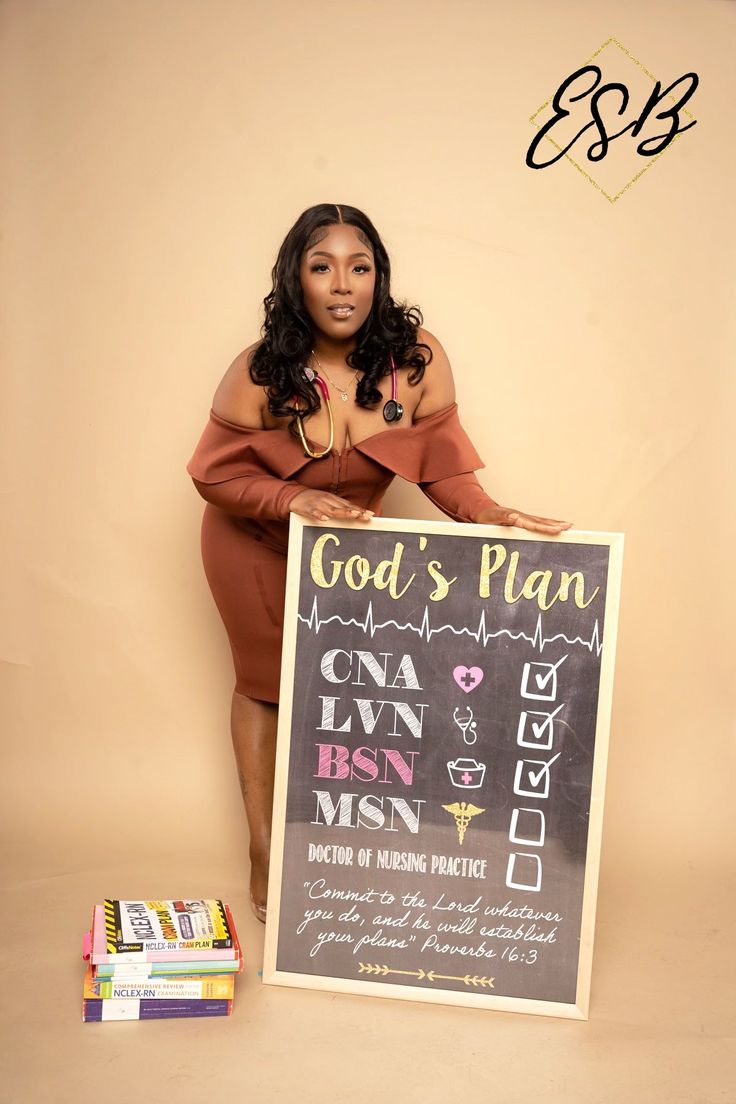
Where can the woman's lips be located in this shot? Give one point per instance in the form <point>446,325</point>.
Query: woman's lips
<point>341,312</point>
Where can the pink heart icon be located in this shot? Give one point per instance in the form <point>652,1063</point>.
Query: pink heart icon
<point>467,678</point>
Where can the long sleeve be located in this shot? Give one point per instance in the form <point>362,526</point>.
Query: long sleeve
<point>459,496</point>
<point>253,496</point>
<point>242,471</point>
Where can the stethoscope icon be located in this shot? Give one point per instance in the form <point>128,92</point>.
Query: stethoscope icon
<point>466,725</point>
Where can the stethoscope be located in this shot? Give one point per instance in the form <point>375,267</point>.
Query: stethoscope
<point>393,411</point>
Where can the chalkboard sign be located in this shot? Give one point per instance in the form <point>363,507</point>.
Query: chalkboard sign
<point>443,733</point>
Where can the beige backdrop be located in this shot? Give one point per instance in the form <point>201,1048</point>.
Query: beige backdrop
<point>154,154</point>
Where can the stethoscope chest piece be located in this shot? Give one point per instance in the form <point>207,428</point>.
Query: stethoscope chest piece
<point>393,411</point>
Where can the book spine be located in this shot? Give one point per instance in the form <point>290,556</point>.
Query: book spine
<point>213,988</point>
<point>151,955</point>
<point>234,935</point>
<point>139,971</point>
<point>97,1011</point>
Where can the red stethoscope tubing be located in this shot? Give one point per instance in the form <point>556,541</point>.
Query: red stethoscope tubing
<point>393,408</point>
<point>322,386</point>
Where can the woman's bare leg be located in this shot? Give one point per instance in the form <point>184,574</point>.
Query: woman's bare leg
<point>253,725</point>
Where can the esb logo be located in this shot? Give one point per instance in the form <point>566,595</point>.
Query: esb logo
<point>583,99</point>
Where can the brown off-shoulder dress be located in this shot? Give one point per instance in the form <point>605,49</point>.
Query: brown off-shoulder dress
<point>248,478</point>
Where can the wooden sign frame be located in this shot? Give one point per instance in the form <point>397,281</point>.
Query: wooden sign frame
<point>476,991</point>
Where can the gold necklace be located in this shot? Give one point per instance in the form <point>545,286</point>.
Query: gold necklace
<point>343,391</point>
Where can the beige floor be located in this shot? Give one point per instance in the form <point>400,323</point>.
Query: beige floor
<point>661,1027</point>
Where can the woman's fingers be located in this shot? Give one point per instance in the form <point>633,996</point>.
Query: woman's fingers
<point>531,522</point>
<point>530,519</point>
<point>540,525</point>
<point>322,507</point>
<point>548,521</point>
<point>343,508</point>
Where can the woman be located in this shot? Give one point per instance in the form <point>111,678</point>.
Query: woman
<point>302,423</point>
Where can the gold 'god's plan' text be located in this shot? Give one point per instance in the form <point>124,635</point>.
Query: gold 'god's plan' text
<point>545,587</point>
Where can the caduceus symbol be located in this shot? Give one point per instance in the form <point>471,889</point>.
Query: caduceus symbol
<point>462,813</point>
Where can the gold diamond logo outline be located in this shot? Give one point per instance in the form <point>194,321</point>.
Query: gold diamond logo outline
<point>651,161</point>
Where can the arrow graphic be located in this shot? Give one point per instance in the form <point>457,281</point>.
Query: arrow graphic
<point>468,979</point>
<point>484,982</point>
<point>367,968</point>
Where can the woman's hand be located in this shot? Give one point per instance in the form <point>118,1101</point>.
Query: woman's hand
<point>323,506</point>
<point>502,515</point>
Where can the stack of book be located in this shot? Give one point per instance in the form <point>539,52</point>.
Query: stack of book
<point>160,959</point>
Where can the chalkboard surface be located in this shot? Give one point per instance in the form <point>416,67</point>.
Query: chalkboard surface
<point>443,729</point>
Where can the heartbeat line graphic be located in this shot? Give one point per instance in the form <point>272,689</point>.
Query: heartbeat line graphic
<point>426,631</point>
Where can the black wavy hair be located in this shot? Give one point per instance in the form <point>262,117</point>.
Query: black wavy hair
<point>278,361</point>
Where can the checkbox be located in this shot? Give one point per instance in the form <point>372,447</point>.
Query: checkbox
<point>537,730</point>
<point>523,864</point>
<point>539,680</point>
<point>532,777</point>
<point>527,826</point>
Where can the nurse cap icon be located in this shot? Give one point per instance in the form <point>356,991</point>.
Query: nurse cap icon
<point>467,774</point>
